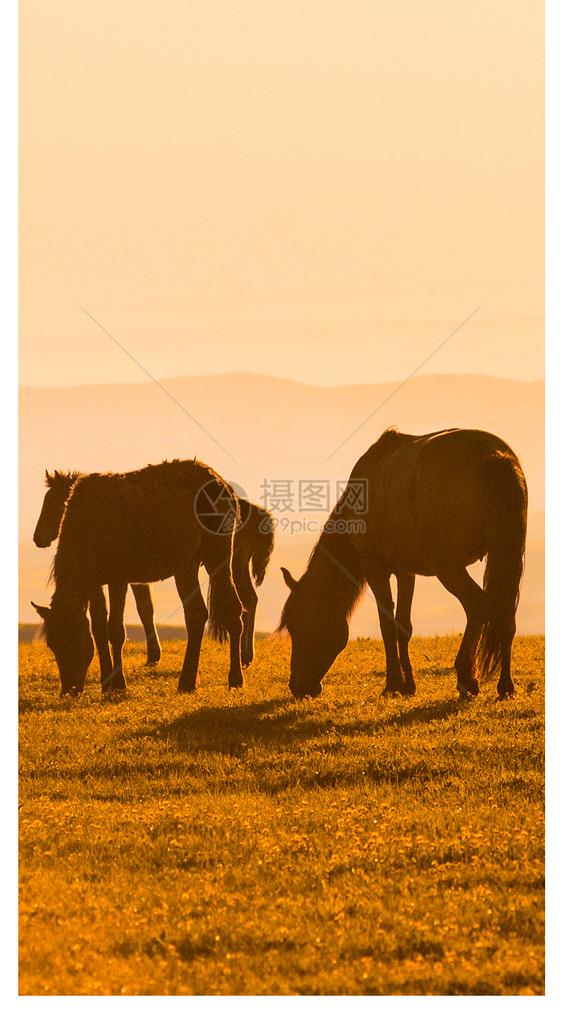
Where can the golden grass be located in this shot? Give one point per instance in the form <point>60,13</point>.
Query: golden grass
<point>242,843</point>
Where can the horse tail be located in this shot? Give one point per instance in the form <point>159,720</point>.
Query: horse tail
<point>217,606</point>
<point>263,546</point>
<point>504,563</point>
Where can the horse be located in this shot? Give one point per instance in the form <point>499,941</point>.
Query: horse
<point>135,528</point>
<point>437,502</point>
<point>59,486</point>
<point>252,548</point>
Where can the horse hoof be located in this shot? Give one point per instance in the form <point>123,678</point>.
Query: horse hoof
<point>118,694</point>
<point>465,695</point>
<point>468,690</point>
<point>235,684</point>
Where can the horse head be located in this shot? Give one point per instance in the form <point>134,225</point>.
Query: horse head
<point>67,632</point>
<point>318,635</point>
<point>59,485</point>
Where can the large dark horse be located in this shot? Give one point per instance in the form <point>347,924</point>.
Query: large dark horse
<point>252,548</point>
<point>436,504</point>
<point>134,528</point>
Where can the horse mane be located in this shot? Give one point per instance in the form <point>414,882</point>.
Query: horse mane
<point>335,570</point>
<point>61,478</point>
<point>338,548</point>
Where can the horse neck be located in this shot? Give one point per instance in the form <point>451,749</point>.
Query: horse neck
<point>68,573</point>
<point>61,491</point>
<point>67,601</point>
<point>335,572</point>
<point>53,510</point>
<point>54,504</point>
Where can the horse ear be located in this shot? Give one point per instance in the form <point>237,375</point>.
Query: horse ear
<point>289,579</point>
<point>42,610</point>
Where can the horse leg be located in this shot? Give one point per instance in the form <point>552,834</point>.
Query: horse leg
<point>224,595</point>
<point>233,622</point>
<point>469,594</point>
<point>195,612</point>
<point>249,599</point>
<point>145,609</point>
<point>380,585</point>
<point>116,631</point>
<point>405,595</point>
<point>98,616</point>
<point>505,682</point>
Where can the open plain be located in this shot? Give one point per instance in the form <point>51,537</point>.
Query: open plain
<point>240,843</point>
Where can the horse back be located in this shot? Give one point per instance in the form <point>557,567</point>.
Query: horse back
<point>429,496</point>
<point>136,526</point>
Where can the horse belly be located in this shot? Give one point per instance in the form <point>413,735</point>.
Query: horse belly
<point>388,540</point>
<point>419,528</point>
<point>145,550</point>
<point>452,521</point>
<point>405,556</point>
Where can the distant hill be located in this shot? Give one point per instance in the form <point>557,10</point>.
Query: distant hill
<point>276,430</point>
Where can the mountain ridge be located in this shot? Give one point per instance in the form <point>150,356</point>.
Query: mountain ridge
<point>249,374</point>
<point>253,429</point>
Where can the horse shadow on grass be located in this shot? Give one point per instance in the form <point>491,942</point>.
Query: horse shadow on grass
<point>280,722</point>
<point>270,746</point>
<point>275,746</point>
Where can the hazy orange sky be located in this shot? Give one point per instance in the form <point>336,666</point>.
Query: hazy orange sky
<point>307,188</point>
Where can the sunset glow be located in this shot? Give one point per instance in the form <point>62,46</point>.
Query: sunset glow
<point>263,187</point>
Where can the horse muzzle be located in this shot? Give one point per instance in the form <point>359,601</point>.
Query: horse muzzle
<point>72,686</point>
<point>41,541</point>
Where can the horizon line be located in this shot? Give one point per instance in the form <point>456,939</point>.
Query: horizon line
<point>272,376</point>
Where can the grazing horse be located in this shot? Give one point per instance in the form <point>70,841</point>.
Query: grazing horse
<point>252,548</point>
<point>436,504</point>
<point>59,486</point>
<point>134,528</point>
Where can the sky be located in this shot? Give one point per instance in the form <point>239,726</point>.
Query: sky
<point>303,188</point>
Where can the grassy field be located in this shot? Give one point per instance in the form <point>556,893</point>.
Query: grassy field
<point>243,844</point>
